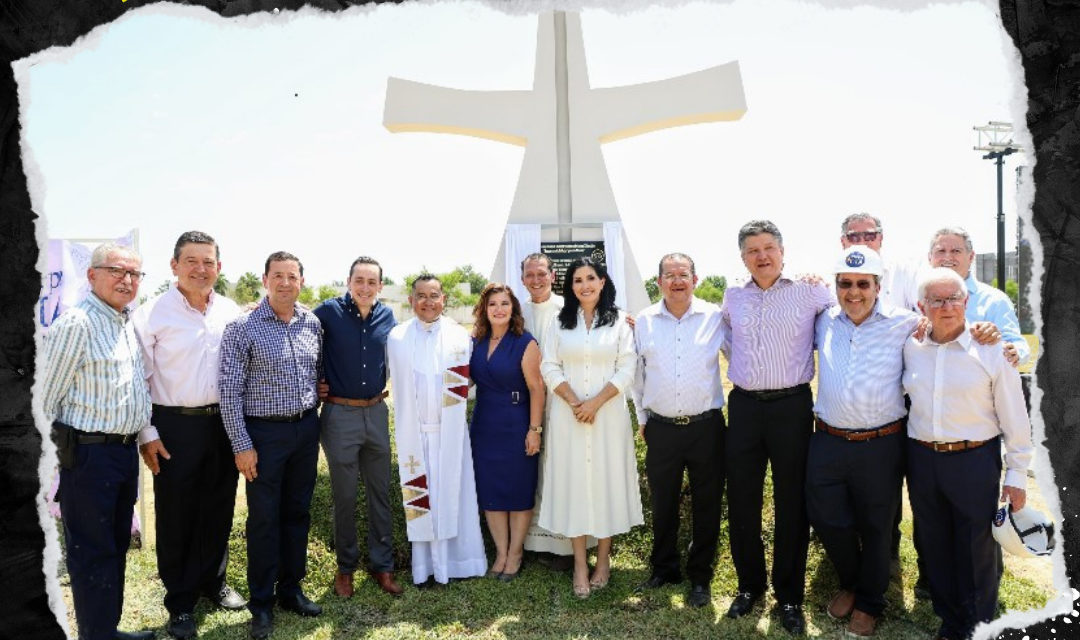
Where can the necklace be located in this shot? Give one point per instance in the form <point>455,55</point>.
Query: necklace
<point>495,338</point>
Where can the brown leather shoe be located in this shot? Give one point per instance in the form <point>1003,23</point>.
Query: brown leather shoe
<point>343,584</point>
<point>861,625</point>
<point>386,582</point>
<point>842,604</point>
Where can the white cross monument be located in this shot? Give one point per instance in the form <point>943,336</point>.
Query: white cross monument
<point>564,186</point>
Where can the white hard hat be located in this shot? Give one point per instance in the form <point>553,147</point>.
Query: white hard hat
<point>1027,533</point>
<point>859,259</point>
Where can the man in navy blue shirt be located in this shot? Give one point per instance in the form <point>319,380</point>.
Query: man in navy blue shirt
<point>356,422</point>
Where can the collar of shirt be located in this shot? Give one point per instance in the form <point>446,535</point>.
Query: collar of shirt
<point>697,305</point>
<point>120,317</point>
<point>174,290</point>
<point>265,312</point>
<point>964,339</point>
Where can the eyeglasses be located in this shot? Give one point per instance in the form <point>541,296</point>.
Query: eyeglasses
<point>847,284</point>
<point>680,277</point>
<point>955,300</point>
<point>861,236</point>
<point>118,273</point>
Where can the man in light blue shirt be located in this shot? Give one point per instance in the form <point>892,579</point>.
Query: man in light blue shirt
<point>951,247</point>
<point>855,463</point>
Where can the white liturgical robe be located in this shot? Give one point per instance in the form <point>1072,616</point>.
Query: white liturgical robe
<point>429,366</point>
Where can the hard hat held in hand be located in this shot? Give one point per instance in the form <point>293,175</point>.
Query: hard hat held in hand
<point>1026,533</point>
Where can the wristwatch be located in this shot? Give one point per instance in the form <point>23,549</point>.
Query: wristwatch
<point>535,428</point>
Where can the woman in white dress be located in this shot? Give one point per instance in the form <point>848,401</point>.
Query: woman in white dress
<point>590,479</point>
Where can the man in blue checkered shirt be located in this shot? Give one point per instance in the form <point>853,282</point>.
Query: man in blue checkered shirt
<point>270,361</point>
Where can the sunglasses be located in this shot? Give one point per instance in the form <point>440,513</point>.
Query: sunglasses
<point>847,284</point>
<point>861,236</point>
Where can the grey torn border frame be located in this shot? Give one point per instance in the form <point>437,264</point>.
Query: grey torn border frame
<point>1062,605</point>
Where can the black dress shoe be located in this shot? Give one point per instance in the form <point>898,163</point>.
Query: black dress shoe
<point>181,626</point>
<point>656,581</point>
<point>134,635</point>
<point>227,598</point>
<point>299,604</point>
<point>742,604</point>
<point>262,623</point>
<point>699,596</point>
<point>791,618</point>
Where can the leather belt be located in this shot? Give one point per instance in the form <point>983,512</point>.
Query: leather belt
<point>350,402</point>
<point>952,447</point>
<point>683,420</point>
<point>859,435</point>
<point>772,395</point>
<point>205,410</point>
<point>296,417</point>
<point>88,437</point>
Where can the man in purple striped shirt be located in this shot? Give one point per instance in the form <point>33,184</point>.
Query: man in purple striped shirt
<point>770,322</point>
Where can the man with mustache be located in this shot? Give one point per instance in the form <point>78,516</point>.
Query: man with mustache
<point>96,396</point>
<point>855,464</point>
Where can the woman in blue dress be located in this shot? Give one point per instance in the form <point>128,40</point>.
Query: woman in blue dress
<point>506,423</point>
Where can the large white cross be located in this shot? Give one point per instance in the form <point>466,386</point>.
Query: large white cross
<point>561,123</point>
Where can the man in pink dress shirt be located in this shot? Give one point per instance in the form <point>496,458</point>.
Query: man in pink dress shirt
<point>770,324</point>
<point>186,447</point>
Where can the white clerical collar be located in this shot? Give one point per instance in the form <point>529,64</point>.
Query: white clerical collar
<point>428,326</point>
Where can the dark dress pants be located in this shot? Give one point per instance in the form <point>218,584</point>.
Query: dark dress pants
<point>194,495</point>
<point>699,449</point>
<point>954,496</point>
<point>759,434</point>
<point>851,493</point>
<point>356,441</point>
<point>97,498</point>
<point>279,507</point>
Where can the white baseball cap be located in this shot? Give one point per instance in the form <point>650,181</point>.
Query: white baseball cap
<point>859,259</point>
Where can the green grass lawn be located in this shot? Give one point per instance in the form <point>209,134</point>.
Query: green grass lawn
<point>539,604</point>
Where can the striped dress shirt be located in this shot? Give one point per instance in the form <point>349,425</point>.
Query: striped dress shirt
<point>94,376</point>
<point>269,368</point>
<point>770,341</point>
<point>859,384</point>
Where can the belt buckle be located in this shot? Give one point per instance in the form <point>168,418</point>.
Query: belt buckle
<point>681,420</point>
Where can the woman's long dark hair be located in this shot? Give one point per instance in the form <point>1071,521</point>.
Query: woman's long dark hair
<point>606,311</point>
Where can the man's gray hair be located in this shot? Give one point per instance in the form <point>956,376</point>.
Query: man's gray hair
<point>952,231</point>
<point>757,227</point>
<point>101,254</point>
<point>939,275</point>
<point>855,217</point>
<point>677,256</point>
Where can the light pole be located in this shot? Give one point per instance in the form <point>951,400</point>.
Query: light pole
<point>998,143</point>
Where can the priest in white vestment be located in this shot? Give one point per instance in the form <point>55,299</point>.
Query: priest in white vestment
<point>428,359</point>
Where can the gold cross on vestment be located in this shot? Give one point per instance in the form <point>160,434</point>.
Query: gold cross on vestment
<point>412,464</point>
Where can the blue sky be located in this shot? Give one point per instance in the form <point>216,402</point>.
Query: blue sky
<point>266,131</point>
